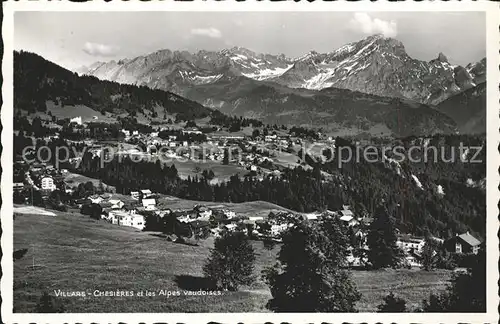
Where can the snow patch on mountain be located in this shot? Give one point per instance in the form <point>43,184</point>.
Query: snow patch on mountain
<point>267,73</point>
<point>417,182</point>
<point>375,65</point>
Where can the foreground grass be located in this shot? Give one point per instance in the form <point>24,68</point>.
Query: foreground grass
<point>73,253</point>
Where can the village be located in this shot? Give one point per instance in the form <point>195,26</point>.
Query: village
<point>145,210</point>
<point>260,155</point>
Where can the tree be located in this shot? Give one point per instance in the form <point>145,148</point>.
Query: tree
<point>235,127</point>
<point>392,304</point>
<point>48,304</point>
<point>35,198</point>
<point>89,187</point>
<point>190,123</point>
<point>381,240</point>
<point>225,159</point>
<point>231,261</point>
<point>429,256</point>
<point>100,187</point>
<point>208,174</point>
<point>93,210</point>
<point>467,292</point>
<point>307,276</point>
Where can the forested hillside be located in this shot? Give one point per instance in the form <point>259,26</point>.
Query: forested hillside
<point>453,200</point>
<point>37,81</point>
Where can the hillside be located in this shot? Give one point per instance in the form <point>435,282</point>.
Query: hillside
<point>75,260</point>
<point>38,81</point>
<point>332,109</point>
<point>467,109</point>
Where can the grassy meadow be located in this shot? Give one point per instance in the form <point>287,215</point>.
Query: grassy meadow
<point>74,253</point>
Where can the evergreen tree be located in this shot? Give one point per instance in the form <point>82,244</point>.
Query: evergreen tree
<point>307,276</point>
<point>392,304</point>
<point>381,240</point>
<point>225,159</point>
<point>231,262</point>
<point>429,256</point>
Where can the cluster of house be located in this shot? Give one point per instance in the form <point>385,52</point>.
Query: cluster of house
<point>123,212</point>
<point>131,212</point>
<point>218,218</point>
<point>40,176</point>
<point>458,244</point>
<point>345,215</point>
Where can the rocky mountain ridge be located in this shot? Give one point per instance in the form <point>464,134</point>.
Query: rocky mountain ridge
<point>375,65</point>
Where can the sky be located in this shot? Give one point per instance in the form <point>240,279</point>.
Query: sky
<point>74,39</point>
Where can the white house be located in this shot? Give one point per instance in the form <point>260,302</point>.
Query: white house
<point>270,138</point>
<point>123,218</point>
<point>349,220</point>
<point>206,213</point>
<point>149,204</point>
<point>346,211</point>
<point>412,261</point>
<point>146,193</point>
<point>255,218</point>
<point>47,183</point>
<point>229,214</point>
<point>95,199</point>
<point>116,203</point>
<point>76,120</point>
<point>192,130</point>
<point>278,229</point>
<point>312,216</point>
<point>408,243</point>
<point>230,227</point>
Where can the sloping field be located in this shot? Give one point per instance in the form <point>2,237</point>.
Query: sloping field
<point>74,179</point>
<point>221,172</point>
<point>32,210</point>
<point>251,208</point>
<point>73,253</point>
<point>85,112</point>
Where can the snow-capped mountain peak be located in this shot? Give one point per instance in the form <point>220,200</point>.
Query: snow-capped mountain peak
<point>376,64</point>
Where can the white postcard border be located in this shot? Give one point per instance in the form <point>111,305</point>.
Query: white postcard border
<point>493,159</point>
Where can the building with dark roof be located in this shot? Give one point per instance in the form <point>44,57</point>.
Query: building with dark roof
<point>463,243</point>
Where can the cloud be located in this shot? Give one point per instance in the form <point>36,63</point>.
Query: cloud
<point>209,32</point>
<point>96,49</point>
<point>362,22</point>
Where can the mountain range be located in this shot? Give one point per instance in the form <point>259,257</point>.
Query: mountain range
<point>370,87</point>
<point>377,75</point>
<point>374,65</point>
